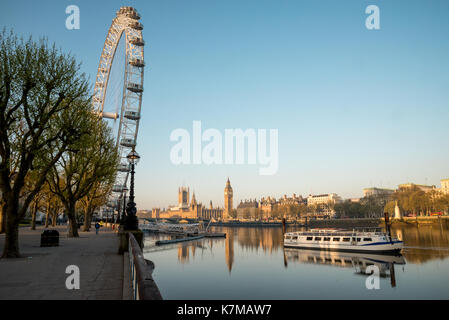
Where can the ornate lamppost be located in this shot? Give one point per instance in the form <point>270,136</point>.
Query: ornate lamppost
<point>121,220</point>
<point>131,222</point>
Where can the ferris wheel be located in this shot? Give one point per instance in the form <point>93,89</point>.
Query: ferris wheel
<point>119,87</point>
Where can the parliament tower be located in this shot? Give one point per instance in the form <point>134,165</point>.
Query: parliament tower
<point>228,200</point>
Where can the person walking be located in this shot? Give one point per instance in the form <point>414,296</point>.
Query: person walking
<point>97,227</point>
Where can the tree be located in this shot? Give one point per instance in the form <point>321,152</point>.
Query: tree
<point>36,204</point>
<point>93,159</point>
<point>96,197</point>
<point>372,207</point>
<point>329,207</point>
<point>349,209</point>
<point>38,84</point>
<point>51,205</point>
<point>389,207</point>
<point>302,210</point>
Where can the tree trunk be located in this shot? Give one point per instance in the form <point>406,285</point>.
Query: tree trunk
<point>86,221</point>
<point>54,217</point>
<point>11,247</point>
<point>87,218</point>
<point>46,220</point>
<point>73,226</point>
<point>33,215</point>
<point>2,217</point>
<point>47,214</point>
<point>33,220</point>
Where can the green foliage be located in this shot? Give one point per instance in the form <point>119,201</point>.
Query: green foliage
<point>38,85</point>
<point>90,163</point>
<point>40,90</point>
<point>348,209</point>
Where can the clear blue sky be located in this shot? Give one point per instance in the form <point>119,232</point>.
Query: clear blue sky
<point>354,107</point>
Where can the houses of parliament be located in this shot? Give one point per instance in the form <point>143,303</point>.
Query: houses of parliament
<point>191,209</point>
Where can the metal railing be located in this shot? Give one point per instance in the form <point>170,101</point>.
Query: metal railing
<point>335,233</point>
<point>142,283</point>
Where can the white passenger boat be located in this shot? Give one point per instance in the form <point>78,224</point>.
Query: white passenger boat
<point>370,240</point>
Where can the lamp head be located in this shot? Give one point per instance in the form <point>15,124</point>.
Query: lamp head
<point>133,157</point>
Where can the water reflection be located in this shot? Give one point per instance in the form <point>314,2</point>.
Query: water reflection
<point>251,263</point>
<point>358,261</point>
<point>229,250</point>
<point>421,244</point>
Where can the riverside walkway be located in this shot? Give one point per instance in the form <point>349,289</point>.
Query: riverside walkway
<point>40,272</point>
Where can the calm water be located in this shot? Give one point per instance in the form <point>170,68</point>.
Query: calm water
<point>251,263</point>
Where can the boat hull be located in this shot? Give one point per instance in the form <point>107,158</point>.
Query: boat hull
<point>385,248</point>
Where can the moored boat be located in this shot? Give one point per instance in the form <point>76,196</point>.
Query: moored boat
<point>371,240</point>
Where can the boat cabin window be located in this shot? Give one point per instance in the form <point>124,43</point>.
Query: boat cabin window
<point>336,239</point>
<point>327,239</point>
<point>288,237</point>
<point>295,237</point>
<point>317,238</point>
<point>358,239</point>
<point>367,239</point>
<point>309,238</point>
<point>346,239</point>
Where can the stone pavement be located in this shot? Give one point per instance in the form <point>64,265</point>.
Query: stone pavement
<point>40,273</point>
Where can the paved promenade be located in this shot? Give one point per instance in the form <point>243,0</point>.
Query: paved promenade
<point>40,273</point>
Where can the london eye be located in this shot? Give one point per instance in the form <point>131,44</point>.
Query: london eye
<point>118,90</point>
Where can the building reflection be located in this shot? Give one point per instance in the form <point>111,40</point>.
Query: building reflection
<point>229,250</point>
<point>423,243</point>
<point>267,239</point>
<point>357,261</point>
<point>183,253</point>
<point>188,250</point>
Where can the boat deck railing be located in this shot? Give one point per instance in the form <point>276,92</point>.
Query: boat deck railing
<point>335,233</point>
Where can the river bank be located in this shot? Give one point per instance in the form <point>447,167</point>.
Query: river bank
<point>376,222</point>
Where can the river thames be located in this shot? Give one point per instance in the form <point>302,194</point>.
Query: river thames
<point>251,263</point>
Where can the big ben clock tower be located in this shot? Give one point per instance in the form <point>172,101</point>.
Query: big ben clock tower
<point>228,200</point>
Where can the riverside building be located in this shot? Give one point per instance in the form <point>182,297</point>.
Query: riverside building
<point>190,209</point>
<point>325,202</point>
